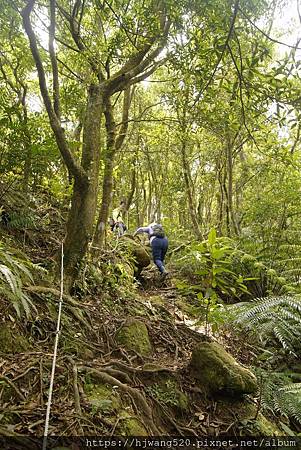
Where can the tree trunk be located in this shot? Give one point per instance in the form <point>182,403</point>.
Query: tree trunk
<point>230,188</point>
<point>189,191</point>
<point>84,199</point>
<point>114,143</point>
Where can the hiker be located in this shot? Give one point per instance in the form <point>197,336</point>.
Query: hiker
<point>116,222</point>
<point>159,244</point>
<point>119,227</point>
<point>5,218</point>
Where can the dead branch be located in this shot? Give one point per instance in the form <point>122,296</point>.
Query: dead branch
<point>8,381</point>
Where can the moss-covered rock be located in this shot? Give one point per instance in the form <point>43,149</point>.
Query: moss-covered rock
<point>133,335</point>
<point>11,341</point>
<point>218,372</point>
<point>138,251</point>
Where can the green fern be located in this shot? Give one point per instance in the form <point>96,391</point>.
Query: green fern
<point>14,271</point>
<point>279,394</point>
<point>294,388</point>
<point>290,267</point>
<point>271,318</point>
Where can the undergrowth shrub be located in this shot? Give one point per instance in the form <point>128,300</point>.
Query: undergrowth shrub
<point>271,319</point>
<point>234,274</point>
<point>278,395</point>
<point>15,271</point>
<point>214,277</point>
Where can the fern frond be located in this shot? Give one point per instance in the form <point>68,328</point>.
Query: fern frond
<point>293,388</point>
<point>272,317</point>
<point>13,272</point>
<point>279,395</point>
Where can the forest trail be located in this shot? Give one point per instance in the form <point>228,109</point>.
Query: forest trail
<point>175,119</point>
<point>169,294</point>
<point>126,365</point>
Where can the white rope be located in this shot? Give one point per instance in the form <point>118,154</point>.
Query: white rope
<point>57,333</point>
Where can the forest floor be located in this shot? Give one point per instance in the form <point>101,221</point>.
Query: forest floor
<point>158,387</point>
<point>105,388</point>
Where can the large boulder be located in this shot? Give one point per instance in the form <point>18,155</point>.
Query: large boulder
<point>138,251</point>
<point>219,372</point>
<point>133,335</point>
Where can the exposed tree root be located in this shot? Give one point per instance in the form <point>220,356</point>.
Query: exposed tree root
<point>71,304</point>
<point>75,387</point>
<point>8,381</point>
<point>137,397</point>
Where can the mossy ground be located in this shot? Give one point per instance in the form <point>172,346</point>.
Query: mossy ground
<point>102,398</point>
<point>12,341</point>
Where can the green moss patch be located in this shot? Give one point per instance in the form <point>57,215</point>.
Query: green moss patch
<point>130,426</point>
<point>11,341</point>
<point>103,398</point>
<point>78,348</point>
<point>168,392</point>
<point>139,253</point>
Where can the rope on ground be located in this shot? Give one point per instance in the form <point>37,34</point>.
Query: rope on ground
<point>58,329</point>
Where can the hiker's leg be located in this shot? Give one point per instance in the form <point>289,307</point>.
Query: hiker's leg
<point>157,253</point>
<point>164,248</point>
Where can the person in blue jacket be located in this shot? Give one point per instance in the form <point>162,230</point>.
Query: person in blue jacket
<point>159,244</point>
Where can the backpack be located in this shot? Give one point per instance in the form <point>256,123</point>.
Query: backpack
<point>158,231</point>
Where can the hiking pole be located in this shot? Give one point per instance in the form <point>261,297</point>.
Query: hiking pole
<point>57,333</point>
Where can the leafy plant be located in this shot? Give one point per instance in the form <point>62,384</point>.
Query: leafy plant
<point>212,265</point>
<point>280,395</point>
<point>164,393</point>
<point>14,271</point>
<point>271,318</point>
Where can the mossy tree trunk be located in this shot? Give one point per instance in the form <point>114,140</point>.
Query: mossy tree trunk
<point>114,144</point>
<point>85,189</point>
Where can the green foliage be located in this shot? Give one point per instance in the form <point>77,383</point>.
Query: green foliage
<point>14,272</point>
<point>211,262</point>
<point>165,393</point>
<point>261,280</point>
<point>271,319</point>
<point>111,271</point>
<point>279,396</point>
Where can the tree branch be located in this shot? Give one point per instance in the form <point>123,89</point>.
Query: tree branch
<point>236,6</point>
<point>69,159</point>
<point>127,97</point>
<point>55,73</point>
<point>265,34</point>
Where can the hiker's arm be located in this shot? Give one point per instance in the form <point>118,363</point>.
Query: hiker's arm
<point>142,230</point>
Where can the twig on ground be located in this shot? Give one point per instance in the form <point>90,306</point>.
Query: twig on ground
<point>8,381</point>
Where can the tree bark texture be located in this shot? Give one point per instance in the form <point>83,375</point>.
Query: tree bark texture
<point>190,195</point>
<point>84,199</point>
<point>114,144</point>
